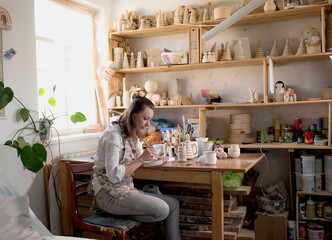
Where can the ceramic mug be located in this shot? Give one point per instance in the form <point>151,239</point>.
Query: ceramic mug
<point>209,157</point>
<point>160,149</point>
<point>207,146</point>
<point>199,144</point>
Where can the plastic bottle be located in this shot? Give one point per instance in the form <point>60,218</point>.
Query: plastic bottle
<point>291,230</point>
<point>310,209</point>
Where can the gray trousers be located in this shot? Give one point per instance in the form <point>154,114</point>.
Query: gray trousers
<point>144,207</point>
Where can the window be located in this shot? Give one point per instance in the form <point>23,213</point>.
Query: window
<point>65,59</point>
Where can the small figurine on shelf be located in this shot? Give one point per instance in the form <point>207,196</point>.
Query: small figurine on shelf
<point>302,49</point>
<point>259,50</point>
<point>290,95</point>
<point>239,52</point>
<point>193,15</point>
<point>186,16</point>
<point>221,52</point>
<point>132,60</point>
<point>275,50</point>
<point>264,136</point>
<point>253,95</point>
<point>227,53</point>
<point>125,63</point>
<point>160,19</point>
<point>279,91</point>
<point>287,50</point>
<point>140,63</point>
<point>214,49</point>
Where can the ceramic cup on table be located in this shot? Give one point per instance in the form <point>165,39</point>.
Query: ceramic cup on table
<point>199,144</point>
<point>160,149</point>
<point>207,146</point>
<point>181,152</point>
<point>209,158</point>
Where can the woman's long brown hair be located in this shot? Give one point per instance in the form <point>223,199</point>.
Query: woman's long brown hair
<point>126,120</point>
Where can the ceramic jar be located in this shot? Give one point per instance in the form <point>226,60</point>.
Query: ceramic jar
<point>182,153</point>
<point>234,151</point>
<point>118,57</point>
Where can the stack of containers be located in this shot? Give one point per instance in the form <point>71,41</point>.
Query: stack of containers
<point>240,128</point>
<point>319,174</point>
<point>308,173</point>
<point>328,172</point>
<point>298,174</point>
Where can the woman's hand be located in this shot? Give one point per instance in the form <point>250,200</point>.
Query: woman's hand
<point>148,153</point>
<point>165,159</point>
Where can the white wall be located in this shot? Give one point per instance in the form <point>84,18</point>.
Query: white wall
<point>20,75</point>
<point>308,78</point>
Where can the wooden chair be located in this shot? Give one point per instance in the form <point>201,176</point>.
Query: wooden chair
<point>114,226</point>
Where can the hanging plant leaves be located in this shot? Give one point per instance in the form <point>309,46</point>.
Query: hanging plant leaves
<point>78,117</point>
<point>33,157</point>
<point>24,114</point>
<point>22,143</point>
<point>52,102</point>
<point>41,91</point>
<point>6,95</point>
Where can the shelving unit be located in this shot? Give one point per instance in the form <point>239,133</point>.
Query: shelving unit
<point>320,220</point>
<point>319,10</point>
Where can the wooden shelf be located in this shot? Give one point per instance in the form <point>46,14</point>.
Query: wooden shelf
<point>277,16</point>
<point>315,219</point>
<point>276,145</point>
<point>321,193</point>
<point>227,64</point>
<point>250,19</point>
<point>215,106</point>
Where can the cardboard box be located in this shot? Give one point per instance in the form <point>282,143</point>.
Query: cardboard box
<point>170,58</point>
<point>271,226</point>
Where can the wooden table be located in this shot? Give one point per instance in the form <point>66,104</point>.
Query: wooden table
<point>188,172</point>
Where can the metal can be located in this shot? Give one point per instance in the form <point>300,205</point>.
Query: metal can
<point>302,229</point>
<point>319,123</point>
<point>298,124</point>
<point>327,211</point>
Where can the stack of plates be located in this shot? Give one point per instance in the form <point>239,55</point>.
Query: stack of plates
<point>240,128</point>
<point>328,33</point>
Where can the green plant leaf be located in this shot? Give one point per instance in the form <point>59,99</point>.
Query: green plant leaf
<point>78,117</point>
<point>8,143</point>
<point>2,85</point>
<point>41,91</point>
<point>33,157</point>
<point>52,102</point>
<point>24,114</point>
<point>6,96</point>
<point>21,142</point>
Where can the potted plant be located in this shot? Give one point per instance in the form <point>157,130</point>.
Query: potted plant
<point>33,155</point>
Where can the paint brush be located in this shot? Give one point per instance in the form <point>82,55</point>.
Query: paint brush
<point>157,157</point>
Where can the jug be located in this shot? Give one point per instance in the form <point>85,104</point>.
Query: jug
<point>191,149</point>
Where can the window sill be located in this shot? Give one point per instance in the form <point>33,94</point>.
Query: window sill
<point>74,138</point>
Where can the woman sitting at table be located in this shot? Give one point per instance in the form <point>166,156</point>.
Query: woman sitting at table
<point>117,157</point>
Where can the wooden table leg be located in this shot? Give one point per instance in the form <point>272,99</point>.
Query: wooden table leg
<point>67,227</point>
<point>217,206</point>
